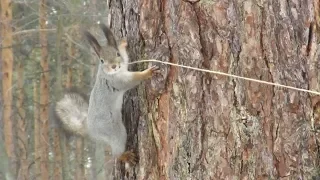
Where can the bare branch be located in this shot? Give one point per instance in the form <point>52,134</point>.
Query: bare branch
<point>32,31</point>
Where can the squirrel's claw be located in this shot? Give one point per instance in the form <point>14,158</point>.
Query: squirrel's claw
<point>154,70</point>
<point>123,43</point>
<point>129,157</point>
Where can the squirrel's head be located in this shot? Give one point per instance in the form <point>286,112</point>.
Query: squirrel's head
<point>110,56</point>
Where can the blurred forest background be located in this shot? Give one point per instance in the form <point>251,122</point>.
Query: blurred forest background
<point>182,124</point>
<point>42,53</point>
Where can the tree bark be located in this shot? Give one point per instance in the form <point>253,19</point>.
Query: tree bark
<point>186,124</point>
<point>7,67</point>
<point>5,170</point>
<point>44,92</point>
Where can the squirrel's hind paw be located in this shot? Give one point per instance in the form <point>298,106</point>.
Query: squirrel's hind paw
<point>129,157</point>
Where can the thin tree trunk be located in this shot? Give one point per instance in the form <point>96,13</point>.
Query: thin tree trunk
<point>57,171</point>
<point>67,149</point>
<point>71,55</point>
<point>44,92</point>
<point>80,161</point>
<point>65,142</point>
<point>21,127</point>
<point>37,145</point>
<point>193,125</point>
<point>7,67</point>
<point>5,170</point>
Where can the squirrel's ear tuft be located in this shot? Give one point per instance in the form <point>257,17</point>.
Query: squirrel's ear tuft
<point>93,42</point>
<point>109,35</point>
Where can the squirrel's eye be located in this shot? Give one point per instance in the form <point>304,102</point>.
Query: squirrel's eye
<point>118,54</point>
<point>102,61</point>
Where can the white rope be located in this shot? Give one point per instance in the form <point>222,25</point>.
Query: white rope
<point>229,75</point>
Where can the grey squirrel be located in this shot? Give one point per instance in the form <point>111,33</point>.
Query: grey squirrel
<point>100,119</point>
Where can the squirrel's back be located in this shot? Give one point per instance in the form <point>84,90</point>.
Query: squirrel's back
<point>72,111</point>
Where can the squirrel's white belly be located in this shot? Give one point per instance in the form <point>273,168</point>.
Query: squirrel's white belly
<point>105,120</point>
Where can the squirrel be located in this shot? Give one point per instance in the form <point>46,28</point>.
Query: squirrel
<point>100,118</point>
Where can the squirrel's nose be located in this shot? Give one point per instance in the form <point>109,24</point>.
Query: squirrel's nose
<point>113,66</point>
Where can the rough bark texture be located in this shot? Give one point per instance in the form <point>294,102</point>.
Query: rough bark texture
<point>44,92</point>
<point>7,67</point>
<point>190,125</point>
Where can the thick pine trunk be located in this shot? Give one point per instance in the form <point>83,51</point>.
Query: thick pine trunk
<point>186,124</point>
<point>7,67</point>
<point>44,92</point>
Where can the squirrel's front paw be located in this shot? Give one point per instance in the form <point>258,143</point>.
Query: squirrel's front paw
<point>123,43</point>
<point>129,157</point>
<point>151,71</point>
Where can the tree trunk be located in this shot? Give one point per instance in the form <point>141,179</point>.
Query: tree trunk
<point>57,170</point>
<point>44,92</point>
<point>186,124</point>
<point>37,147</point>
<point>80,163</point>
<point>21,127</point>
<point>5,170</point>
<point>80,160</point>
<point>7,67</point>
<point>71,54</point>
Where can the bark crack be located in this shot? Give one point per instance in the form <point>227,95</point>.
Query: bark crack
<point>202,154</point>
<point>261,43</point>
<point>123,29</point>
<point>310,38</point>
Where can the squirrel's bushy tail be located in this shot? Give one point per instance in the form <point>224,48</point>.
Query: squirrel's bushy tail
<point>72,111</point>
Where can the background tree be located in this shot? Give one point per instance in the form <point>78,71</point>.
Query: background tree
<point>22,136</point>
<point>5,171</point>
<point>37,147</point>
<point>44,92</point>
<point>7,68</point>
<point>28,50</point>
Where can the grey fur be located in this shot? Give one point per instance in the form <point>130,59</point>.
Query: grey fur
<point>93,42</point>
<point>108,34</point>
<point>105,104</point>
<point>72,112</point>
<point>101,119</point>
<point>104,113</point>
